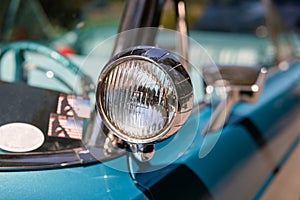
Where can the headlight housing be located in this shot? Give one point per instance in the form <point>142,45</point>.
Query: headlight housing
<point>144,95</point>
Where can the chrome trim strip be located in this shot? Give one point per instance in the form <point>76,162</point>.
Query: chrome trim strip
<point>45,160</point>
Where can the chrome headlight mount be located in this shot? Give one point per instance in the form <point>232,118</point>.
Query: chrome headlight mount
<point>144,96</point>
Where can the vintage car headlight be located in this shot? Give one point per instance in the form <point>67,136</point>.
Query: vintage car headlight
<point>144,95</point>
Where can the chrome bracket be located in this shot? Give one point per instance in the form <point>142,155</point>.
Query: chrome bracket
<point>143,152</point>
<point>229,85</point>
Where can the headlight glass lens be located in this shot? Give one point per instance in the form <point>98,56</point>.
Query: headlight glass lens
<point>139,99</point>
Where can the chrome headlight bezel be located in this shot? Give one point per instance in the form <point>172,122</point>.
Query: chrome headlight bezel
<point>175,72</point>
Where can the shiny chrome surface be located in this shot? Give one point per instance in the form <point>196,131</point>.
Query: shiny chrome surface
<point>43,160</point>
<point>138,14</point>
<point>231,85</point>
<point>172,67</point>
<point>182,29</point>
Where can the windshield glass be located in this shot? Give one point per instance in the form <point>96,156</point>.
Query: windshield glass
<point>46,21</point>
<point>78,27</point>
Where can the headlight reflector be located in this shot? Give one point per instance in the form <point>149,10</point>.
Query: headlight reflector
<point>139,98</point>
<point>137,95</point>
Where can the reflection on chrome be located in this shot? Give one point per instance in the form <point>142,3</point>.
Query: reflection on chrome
<point>144,95</point>
<point>230,85</point>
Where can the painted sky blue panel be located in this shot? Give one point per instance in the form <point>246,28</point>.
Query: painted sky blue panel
<point>276,99</point>
<point>234,145</point>
<point>90,182</point>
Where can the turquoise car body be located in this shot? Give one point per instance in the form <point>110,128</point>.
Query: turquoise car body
<point>252,146</point>
<point>238,162</point>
